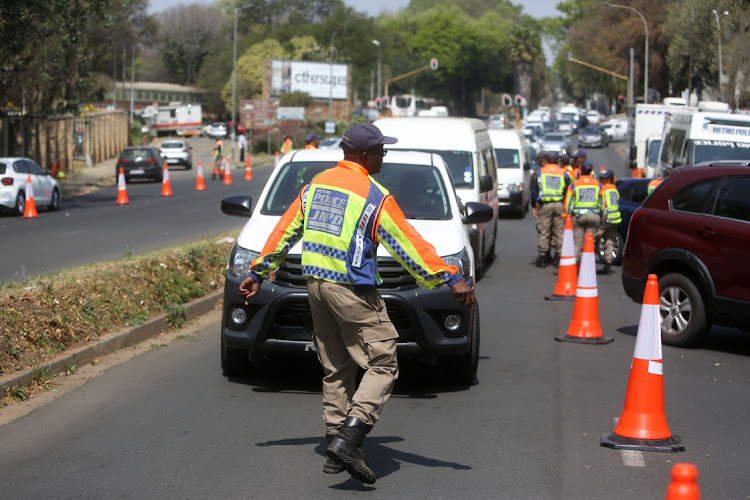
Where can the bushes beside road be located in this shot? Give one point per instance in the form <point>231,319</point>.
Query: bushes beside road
<point>41,318</point>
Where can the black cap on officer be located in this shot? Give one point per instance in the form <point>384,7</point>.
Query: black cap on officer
<point>586,167</point>
<point>363,136</point>
<point>551,156</point>
<point>607,174</point>
<point>579,153</point>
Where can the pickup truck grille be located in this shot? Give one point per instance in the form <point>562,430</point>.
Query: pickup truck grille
<point>395,277</point>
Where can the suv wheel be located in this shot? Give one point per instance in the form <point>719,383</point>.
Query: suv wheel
<point>234,362</point>
<point>682,311</point>
<point>54,203</point>
<point>464,369</point>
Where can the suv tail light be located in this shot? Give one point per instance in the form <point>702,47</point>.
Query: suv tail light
<point>150,160</point>
<point>122,161</point>
<point>7,181</point>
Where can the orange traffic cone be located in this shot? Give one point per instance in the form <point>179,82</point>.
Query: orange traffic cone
<point>642,424</point>
<point>200,183</point>
<point>122,194</point>
<point>565,289</point>
<point>54,169</point>
<point>602,169</point>
<point>166,186</point>
<point>584,327</point>
<point>276,159</point>
<point>29,209</point>
<point>684,485</point>
<point>248,168</point>
<point>227,174</point>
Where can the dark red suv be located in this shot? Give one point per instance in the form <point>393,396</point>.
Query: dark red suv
<point>693,232</point>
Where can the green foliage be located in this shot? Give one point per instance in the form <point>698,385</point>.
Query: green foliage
<point>41,376</point>
<point>175,315</point>
<point>17,393</point>
<point>70,369</point>
<point>296,98</point>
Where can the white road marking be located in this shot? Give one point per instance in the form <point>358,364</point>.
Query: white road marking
<point>73,232</point>
<point>631,458</point>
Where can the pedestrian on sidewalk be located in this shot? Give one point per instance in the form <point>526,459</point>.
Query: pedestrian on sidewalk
<point>241,144</point>
<point>344,208</point>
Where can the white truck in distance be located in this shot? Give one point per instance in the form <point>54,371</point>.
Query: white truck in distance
<point>647,130</point>
<point>177,119</point>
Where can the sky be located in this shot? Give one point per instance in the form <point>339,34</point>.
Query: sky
<point>535,8</point>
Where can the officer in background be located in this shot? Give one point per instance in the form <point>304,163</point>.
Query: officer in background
<point>551,182</point>
<point>583,200</point>
<point>287,145</point>
<point>611,217</point>
<point>655,182</point>
<point>352,328</point>
<point>312,141</point>
<point>565,164</point>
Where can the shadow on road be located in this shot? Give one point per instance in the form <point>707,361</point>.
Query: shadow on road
<point>382,459</point>
<point>304,376</point>
<point>720,339</point>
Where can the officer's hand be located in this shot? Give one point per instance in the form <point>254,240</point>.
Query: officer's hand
<point>248,288</point>
<point>535,211</point>
<point>464,293</point>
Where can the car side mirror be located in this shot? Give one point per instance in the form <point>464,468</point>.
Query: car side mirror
<point>526,165</point>
<point>477,213</point>
<point>486,183</point>
<point>238,206</point>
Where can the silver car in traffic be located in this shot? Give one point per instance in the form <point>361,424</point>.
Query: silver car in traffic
<point>555,142</point>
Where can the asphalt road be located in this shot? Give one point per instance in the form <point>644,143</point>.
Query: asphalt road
<point>94,228</point>
<point>166,424</point>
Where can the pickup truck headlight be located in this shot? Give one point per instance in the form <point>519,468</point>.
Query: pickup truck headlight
<point>462,261</point>
<point>240,260</point>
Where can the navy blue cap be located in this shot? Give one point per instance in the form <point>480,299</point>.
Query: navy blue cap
<point>311,137</point>
<point>607,174</point>
<point>552,155</point>
<point>365,135</point>
<point>579,153</point>
<point>587,166</point>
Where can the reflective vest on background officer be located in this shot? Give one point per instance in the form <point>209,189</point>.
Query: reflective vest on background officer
<point>583,201</point>
<point>552,182</point>
<point>611,217</point>
<point>312,141</point>
<point>286,146</point>
<point>653,184</point>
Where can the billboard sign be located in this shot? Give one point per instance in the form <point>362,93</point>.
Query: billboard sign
<point>320,80</point>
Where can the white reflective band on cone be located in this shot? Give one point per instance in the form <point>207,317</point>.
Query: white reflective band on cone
<point>648,339</point>
<point>587,276</point>
<point>568,245</point>
<point>586,292</point>
<point>567,261</point>
<point>656,368</point>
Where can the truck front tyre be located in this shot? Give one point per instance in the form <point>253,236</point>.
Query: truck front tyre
<point>463,370</point>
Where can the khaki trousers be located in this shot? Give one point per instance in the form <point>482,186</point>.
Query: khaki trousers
<point>586,223</point>
<point>352,331</point>
<point>607,232</point>
<point>550,225</point>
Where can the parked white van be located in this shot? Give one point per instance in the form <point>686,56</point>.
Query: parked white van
<point>513,171</point>
<point>464,144</point>
<point>709,134</point>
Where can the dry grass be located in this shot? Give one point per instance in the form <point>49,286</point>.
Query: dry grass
<point>41,318</point>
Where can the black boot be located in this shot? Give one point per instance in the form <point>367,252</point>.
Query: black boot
<point>541,261</point>
<point>331,466</point>
<point>607,268</point>
<point>346,449</point>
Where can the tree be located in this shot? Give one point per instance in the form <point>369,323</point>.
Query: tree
<point>185,35</point>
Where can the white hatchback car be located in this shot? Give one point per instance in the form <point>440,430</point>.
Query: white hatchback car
<point>14,175</point>
<point>432,325</point>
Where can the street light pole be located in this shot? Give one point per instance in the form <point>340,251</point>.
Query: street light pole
<point>380,71</point>
<point>645,27</point>
<point>718,34</point>
<point>234,78</point>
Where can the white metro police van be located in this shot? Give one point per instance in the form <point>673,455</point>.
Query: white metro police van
<point>465,145</point>
<point>707,135</point>
<point>513,170</point>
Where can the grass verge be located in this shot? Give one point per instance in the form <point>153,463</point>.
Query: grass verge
<point>42,317</point>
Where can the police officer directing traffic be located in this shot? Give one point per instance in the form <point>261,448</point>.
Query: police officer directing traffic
<point>548,193</point>
<point>583,201</point>
<point>341,217</point>
<point>611,217</point>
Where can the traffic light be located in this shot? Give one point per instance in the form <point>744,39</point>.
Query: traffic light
<point>378,104</point>
<point>518,99</point>
<point>434,63</point>
<point>621,99</point>
<point>385,102</point>
<point>507,100</point>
